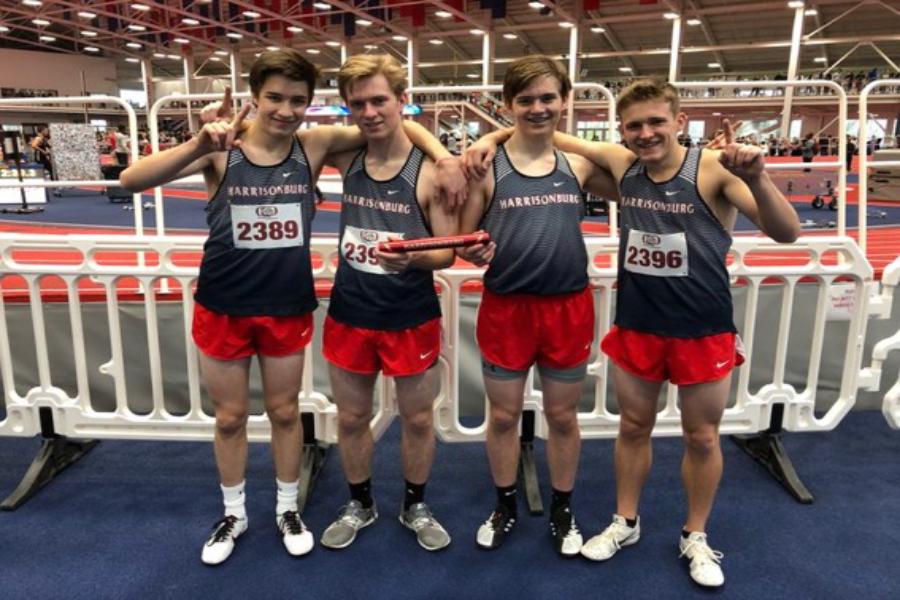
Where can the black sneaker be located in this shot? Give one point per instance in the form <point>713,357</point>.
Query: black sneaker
<point>491,533</point>
<point>566,536</point>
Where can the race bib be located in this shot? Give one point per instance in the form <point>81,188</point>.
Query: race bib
<point>657,254</point>
<point>263,226</point>
<point>359,245</point>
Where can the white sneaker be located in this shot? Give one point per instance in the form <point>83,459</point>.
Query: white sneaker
<point>221,542</point>
<point>297,538</point>
<point>615,537</point>
<point>705,569</point>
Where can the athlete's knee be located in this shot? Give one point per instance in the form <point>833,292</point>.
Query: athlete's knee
<point>635,429</point>
<point>562,419</point>
<point>504,419</point>
<point>284,415</point>
<point>701,441</point>
<point>352,421</point>
<point>418,421</point>
<point>231,422</point>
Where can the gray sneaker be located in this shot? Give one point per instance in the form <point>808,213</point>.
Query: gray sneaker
<point>429,532</point>
<point>351,519</point>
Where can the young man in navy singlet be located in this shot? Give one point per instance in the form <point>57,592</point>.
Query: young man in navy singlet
<point>537,306</point>
<point>384,313</point>
<point>674,310</point>
<point>255,293</point>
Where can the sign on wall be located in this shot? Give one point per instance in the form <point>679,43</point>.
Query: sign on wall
<point>74,152</point>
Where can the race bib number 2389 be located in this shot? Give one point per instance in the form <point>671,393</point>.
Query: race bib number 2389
<point>261,226</point>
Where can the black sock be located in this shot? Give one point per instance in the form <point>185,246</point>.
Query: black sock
<point>559,499</point>
<point>506,499</point>
<point>362,492</point>
<point>415,493</point>
<point>685,533</point>
<point>631,522</point>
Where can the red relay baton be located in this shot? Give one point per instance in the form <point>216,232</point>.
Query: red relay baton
<point>435,243</point>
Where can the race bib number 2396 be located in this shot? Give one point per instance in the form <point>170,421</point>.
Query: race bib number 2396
<point>657,254</point>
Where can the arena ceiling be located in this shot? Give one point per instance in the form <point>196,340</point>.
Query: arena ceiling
<point>744,37</point>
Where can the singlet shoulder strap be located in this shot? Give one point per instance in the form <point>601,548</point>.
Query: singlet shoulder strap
<point>691,166</point>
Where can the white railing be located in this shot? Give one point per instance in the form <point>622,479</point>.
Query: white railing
<point>132,128</point>
<point>864,161</point>
<point>87,262</point>
<point>870,377</point>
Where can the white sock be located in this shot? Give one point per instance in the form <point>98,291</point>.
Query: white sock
<point>287,496</point>
<point>234,500</point>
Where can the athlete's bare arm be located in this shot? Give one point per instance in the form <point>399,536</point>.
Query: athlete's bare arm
<point>480,193</point>
<point>593,179</point>
<point>736,179</point>
<point>198,154</point>
<point>441,221</point>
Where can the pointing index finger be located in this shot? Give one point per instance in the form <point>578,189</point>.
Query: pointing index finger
<point>225,109</point>
<point>239,119</point>
<point>728,131</point>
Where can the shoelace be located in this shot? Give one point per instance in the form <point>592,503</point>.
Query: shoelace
<point>614,533</point>
<point>496,519</point>
<point>291,521</point>
<point>352,516</point>
<point>702,552</point>
<point>223,529</point>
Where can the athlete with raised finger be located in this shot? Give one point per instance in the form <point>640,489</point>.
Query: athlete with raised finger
<point>673,308</point>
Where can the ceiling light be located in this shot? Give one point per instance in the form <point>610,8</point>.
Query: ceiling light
<point>333,44</point>
<point>363,22</point>
<point>536,5</point>
<point>132,60</point>
<point>234,36</point>
<point>137,28</point>
<point>436,42</point>
<point>31,2</point>
<point>399,38</point>
<point>91,49</point>
<point>47,38</point>
<point>370,47</point>
<point>221,53</point>
<point>443,14</point>
<point>86,15</point>
<point>134,45</point>
<point>158,55</point>
<point>472,75</point>
<point>89,33</point>
<point>251,14</point>
<point>566,25</point>
<point>293,29</point>
<point>312,51</point>
<point>190,21</point>
<point>671,16</point>
<point>40,22</point>
<point>795,4</point>
<point>141,7</point>
<point>173,57</point>
<point>625,69</point>
<point>3,28</point>
<point>510,36</point>
<point>694,22</point>
<point>257,54</point>
<point>598,30</point>
<point>717,114</point>
<point>713,65</point>
<point>820,59</point>
<point>476,32</point>
<point>322,6</point>
<point>273,48</point>
<point>215,59</point>
<point>181,41</point>
<point>809,12</point>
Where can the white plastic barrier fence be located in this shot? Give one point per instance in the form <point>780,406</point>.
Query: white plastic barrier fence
<point>87,262</point>
<point>870,377</point>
